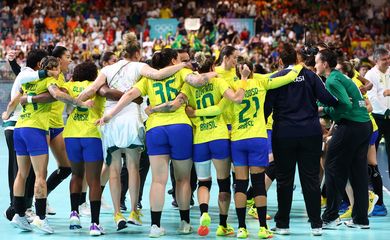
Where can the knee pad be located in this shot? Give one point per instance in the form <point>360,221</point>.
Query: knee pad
<point>258,184</point>
<point>206,184</point>
<point>270,171</point>
<point>203,170</point>
<point>224,185</point>
<point>241,186</point>
<point>64,172</point>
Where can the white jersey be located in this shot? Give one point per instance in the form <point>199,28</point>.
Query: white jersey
<point>25,71</point>
<point>126,129</point>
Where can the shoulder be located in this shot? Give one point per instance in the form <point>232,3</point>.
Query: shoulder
<point>280,73</point>
<point>371,75</point>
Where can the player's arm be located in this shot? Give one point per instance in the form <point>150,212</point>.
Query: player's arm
<point>272,83</point>
<point>91,90</point>
<point>170,106</point>
<point>163,73</point>
<point>125,100</point>
<point>11,106</point>
<point>198,80</point>
<point>59,95</point>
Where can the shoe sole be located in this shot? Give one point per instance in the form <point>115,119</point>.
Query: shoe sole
<point>15,225</point>
<point>95,233</point>
<point>42,230</point>
<point>134,223</point>
<point>121,226</point>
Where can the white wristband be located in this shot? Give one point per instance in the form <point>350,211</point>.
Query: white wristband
<point>29,99</point>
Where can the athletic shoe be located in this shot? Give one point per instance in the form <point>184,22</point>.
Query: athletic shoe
<point>123,207</point>
<point>204,223</point>
<point>105,205</point>
<point>224,231</point>
<point>332,225</point>
<point>281,231</point>
<point>21,223</point>
<point>135,218</point>
<point>42,225</point>
<point>347,214</point>
<point>174,204</point>
<point>30,215</point>
<point>351,224</point>
<point>120,221</point>
<point>264,233</point>
<point>205,220</point>
<point>156,232</point>
<point>50,210</point>
<point>84,210</point>
<point>96,230</point>
<point>323,202</point>
<point>372,199</point>
<point>242,233</point>
<point>379,210</point>
<point>250,202</point>
<point>252,211</point>
<point>74,221</point>
<point>9,213</point>
<point>316,231</point>
<point>185,228</point>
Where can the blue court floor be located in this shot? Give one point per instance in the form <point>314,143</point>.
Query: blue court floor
<point>299,227</point>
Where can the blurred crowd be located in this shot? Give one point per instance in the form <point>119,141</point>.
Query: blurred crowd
<point>90,27</point>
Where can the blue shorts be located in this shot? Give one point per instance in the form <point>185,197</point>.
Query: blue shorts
<point>374,137</point>
<point>174,140</point>
<point>30,142</point>
<point>269,141</point>
<point>251,152</point>
<point>54,132</point>
<point>84,149</point>
<point>217,149</point>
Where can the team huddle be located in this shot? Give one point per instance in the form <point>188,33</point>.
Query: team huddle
<point>194,114</point>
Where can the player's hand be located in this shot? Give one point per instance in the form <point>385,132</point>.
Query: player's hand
<point>23,100</point>
<point>5,115</point>
<point>245,71</point>
<point>105,119</point>
<point>53,73</point>
<point>88,104</point>
<point>11,55</point>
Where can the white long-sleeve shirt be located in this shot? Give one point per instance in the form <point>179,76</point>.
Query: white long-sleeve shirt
<point>381,82</point>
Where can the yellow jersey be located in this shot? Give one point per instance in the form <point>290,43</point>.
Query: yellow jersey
<point>211,128</point>
<point>359,84</point>
<point>230,77</point>
<point>161,92</point>
<point>36,115</point>
<point>57,107</point>
<point>81,122</point>
<point>248,121</point>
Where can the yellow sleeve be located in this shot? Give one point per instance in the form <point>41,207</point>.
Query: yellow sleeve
<point>186,90</point>
<point>142,86</point>
<point>222,85</point>
<point>267,75</point>
<point>213,110</point>
<point>183,73</point>
<point>51,81</point>
<point>272,83</point>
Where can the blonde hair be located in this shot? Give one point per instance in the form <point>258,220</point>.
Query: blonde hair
<point>49,63</point>
<point>131,44</point>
